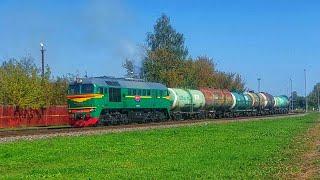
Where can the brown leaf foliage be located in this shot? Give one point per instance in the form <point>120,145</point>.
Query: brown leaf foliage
<point>162,66</point>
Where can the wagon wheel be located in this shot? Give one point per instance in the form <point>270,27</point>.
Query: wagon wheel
<point>177,116</point>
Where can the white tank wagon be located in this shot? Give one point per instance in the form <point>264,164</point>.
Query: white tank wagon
<point>186,100</point>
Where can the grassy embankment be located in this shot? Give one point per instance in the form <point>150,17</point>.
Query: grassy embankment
<point>257,149</point>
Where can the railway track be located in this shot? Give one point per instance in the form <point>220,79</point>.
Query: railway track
<point>40,133</point>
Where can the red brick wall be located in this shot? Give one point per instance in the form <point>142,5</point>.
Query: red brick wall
<point>12,117</point>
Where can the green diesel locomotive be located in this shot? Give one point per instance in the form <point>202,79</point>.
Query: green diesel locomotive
<point>106,100</point>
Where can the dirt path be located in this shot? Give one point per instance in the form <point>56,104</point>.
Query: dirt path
<point>309,160</point>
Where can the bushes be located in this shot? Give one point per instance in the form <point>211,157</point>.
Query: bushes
<point>23,86</point>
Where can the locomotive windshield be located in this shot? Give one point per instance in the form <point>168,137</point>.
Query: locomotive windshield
<point>74,89</point>
<point>81,89</point>
<point>86,88</point>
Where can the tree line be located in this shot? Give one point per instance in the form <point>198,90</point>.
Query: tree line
<point>299,102</point>
<point>167,61</point>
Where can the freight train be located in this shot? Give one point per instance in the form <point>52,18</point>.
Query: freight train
<point>108,101</point>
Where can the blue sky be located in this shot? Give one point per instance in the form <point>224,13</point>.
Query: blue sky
<point>270,39</point>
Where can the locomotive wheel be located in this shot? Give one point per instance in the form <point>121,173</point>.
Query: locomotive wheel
<point>162,116</point>
<point>177,117</point>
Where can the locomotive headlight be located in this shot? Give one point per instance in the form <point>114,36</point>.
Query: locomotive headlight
<point>78,80</point>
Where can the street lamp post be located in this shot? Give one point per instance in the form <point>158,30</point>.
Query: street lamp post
<point>259,79</point>
<point>291,104</point>
<point>42,59</point>
<point>305,89</point>
<point>318,97</point>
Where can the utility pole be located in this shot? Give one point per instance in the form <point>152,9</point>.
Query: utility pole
<point>42,59</point>
<point>305,89</point>
<point>259,79</point>
<point>291,104</point>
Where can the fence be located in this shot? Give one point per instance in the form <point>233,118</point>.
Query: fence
<point>15,117</point>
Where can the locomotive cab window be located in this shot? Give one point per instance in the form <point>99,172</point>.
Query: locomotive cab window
<point>148,92</point>
<point>100,90</point>
<point>114,94</point>
<point>160,94</point>
<point>130,92</point>
<point>144,93</point>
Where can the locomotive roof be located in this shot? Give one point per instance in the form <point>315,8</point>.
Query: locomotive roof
<point>123,83</point>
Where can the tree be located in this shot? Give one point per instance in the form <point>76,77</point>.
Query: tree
<point>166,62</point>
<point>237,83</point>
<point>197,73</point>
<point>313,96</point>
<point>230,81</point>
<point>165,54</point>
<point>21,84</point>
<point>166,37</point>
<point>58,91</point>
<point>204,71</point>
<point>161,66</point>
<point>299,102</point>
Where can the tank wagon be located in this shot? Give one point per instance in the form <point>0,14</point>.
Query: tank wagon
<point>106,100</point>
<point>186,103</point>
<point>281,104</point>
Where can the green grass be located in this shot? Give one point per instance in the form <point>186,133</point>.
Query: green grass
<point>234,150</point>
